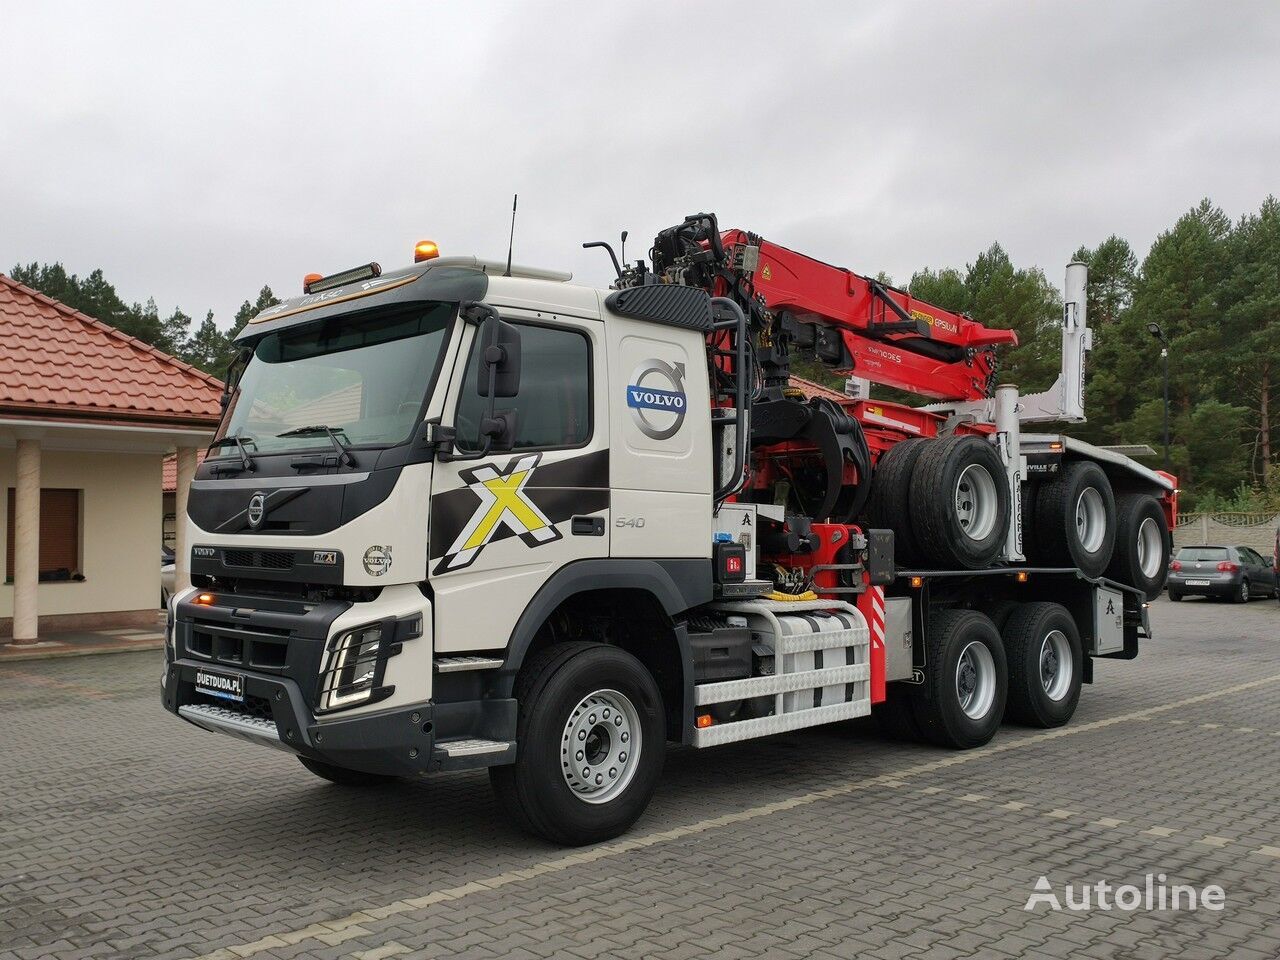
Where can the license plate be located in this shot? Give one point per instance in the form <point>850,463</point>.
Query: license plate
<point>227,686</point>
<point>1197,583</point>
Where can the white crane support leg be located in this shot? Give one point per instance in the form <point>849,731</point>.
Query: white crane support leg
<point>1065,399</point>
<point>1009,442</point>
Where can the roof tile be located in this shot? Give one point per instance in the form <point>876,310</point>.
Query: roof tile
<point>51,354</point>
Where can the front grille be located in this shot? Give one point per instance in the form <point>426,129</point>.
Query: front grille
<point>241,648</point>
<point>260,559</point>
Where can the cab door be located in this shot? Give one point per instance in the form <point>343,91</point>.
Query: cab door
<point>503,523</point>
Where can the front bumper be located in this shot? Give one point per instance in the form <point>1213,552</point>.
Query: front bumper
<point>399,742</point>
<point>279,653</point>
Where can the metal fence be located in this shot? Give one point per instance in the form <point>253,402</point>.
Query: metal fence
<point>1256,530</point>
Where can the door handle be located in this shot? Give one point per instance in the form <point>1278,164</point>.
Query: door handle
<point>587,526</point>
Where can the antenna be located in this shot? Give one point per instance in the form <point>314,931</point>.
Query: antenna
<point>512,239</point>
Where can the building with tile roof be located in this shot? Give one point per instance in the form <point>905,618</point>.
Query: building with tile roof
<point>87,416</point>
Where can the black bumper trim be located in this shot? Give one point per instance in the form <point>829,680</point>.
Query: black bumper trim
<point>397,742</point>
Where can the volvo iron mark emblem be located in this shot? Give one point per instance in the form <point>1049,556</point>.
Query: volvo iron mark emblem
<point>377,560</point>
<point>257,510</point>
<point>657,411</point>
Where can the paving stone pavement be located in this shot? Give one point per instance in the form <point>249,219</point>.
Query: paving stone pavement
<point>127,833</point>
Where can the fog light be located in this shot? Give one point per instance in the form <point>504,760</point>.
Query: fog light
<point>351,667</point>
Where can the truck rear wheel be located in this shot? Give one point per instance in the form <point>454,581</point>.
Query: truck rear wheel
<point>1046,664</point>
<point>591,738</point>
<point>1141,557</point>
<point>965,680</point>
<point>1076,519</point>
<point>889,506</point>
<point>960,500</point>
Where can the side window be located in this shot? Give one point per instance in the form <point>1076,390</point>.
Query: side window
<point>553,408</point>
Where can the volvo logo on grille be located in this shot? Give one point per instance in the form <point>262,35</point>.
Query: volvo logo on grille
<point>257,510</point>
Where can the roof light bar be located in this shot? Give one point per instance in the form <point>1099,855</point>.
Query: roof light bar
<point>367,272</point>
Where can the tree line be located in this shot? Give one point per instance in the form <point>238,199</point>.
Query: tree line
<point>206,345</point>
<point>1211,284</point>
<point>1213,287</point>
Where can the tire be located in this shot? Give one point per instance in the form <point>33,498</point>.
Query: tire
<point>343,776</point>
<point>966,651</point>
<point>1242,594</point>
<point>1175,597</point>
<point>1046,665</point>
<point>961,502</point>
<point>889,505</point>
<point>1076,519</point>
<point>565,690</point>
<point>1141,555</point>
<point>1001,611</point>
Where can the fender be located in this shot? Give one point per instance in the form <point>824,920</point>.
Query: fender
<point>676,584</point>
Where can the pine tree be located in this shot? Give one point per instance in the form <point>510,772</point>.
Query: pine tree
<point>1251,334</point>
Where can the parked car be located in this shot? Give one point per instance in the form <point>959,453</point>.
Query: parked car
<point>166,576</point>
<point>1237,573</point>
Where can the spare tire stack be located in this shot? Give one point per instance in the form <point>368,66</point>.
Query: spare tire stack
<point>947,501</point>
<point>961,496</point>
<point>1075,519</point>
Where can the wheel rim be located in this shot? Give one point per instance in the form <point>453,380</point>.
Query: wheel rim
<point>600,748</point>
<point>1244,589</point>
<point>975,680</point>
<point>1056,666</point>
<point>977,502</point>
<point>1150,548</point>
<point>1091,519</point>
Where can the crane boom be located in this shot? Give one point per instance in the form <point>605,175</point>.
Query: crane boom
<point>853,323</point>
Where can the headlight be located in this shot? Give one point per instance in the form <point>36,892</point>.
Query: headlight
<point>352,663</point>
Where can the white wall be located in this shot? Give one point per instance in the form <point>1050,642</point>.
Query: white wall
<point>120,513</point>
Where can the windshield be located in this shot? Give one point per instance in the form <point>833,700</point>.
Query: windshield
<point>1202,553</point>
<point>364,376</point>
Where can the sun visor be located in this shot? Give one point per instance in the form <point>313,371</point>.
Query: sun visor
<point>439,280</point>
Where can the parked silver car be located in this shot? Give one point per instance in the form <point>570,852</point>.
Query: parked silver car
<point>1235,573</point>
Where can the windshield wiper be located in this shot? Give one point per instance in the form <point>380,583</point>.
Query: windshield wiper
<point>246,460</point>
<point>344,452</point>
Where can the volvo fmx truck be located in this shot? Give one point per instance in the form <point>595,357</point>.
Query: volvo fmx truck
<point>467,515</point>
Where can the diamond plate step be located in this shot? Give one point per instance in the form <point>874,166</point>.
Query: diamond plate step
<point>462,664</point>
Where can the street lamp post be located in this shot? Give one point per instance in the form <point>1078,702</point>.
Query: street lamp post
<point>1155,331</point>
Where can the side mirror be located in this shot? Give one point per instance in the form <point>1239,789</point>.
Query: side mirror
<point>500,376</point>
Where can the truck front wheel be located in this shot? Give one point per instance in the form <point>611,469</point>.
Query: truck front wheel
<point>591,739</point>
<point>1046,665</point>
<point>966,679</point>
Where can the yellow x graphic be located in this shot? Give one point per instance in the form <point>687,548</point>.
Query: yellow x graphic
<point>507,498</point>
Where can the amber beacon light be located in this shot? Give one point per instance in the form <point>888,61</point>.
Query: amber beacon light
<point>425,250</point>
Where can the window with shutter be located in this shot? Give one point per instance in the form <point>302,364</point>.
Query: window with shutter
<point>59,534</point>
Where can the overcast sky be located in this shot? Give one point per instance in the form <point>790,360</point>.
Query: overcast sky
<point>197,151</point>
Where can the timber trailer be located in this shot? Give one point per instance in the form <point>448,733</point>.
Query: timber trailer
<point>468,514</point>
